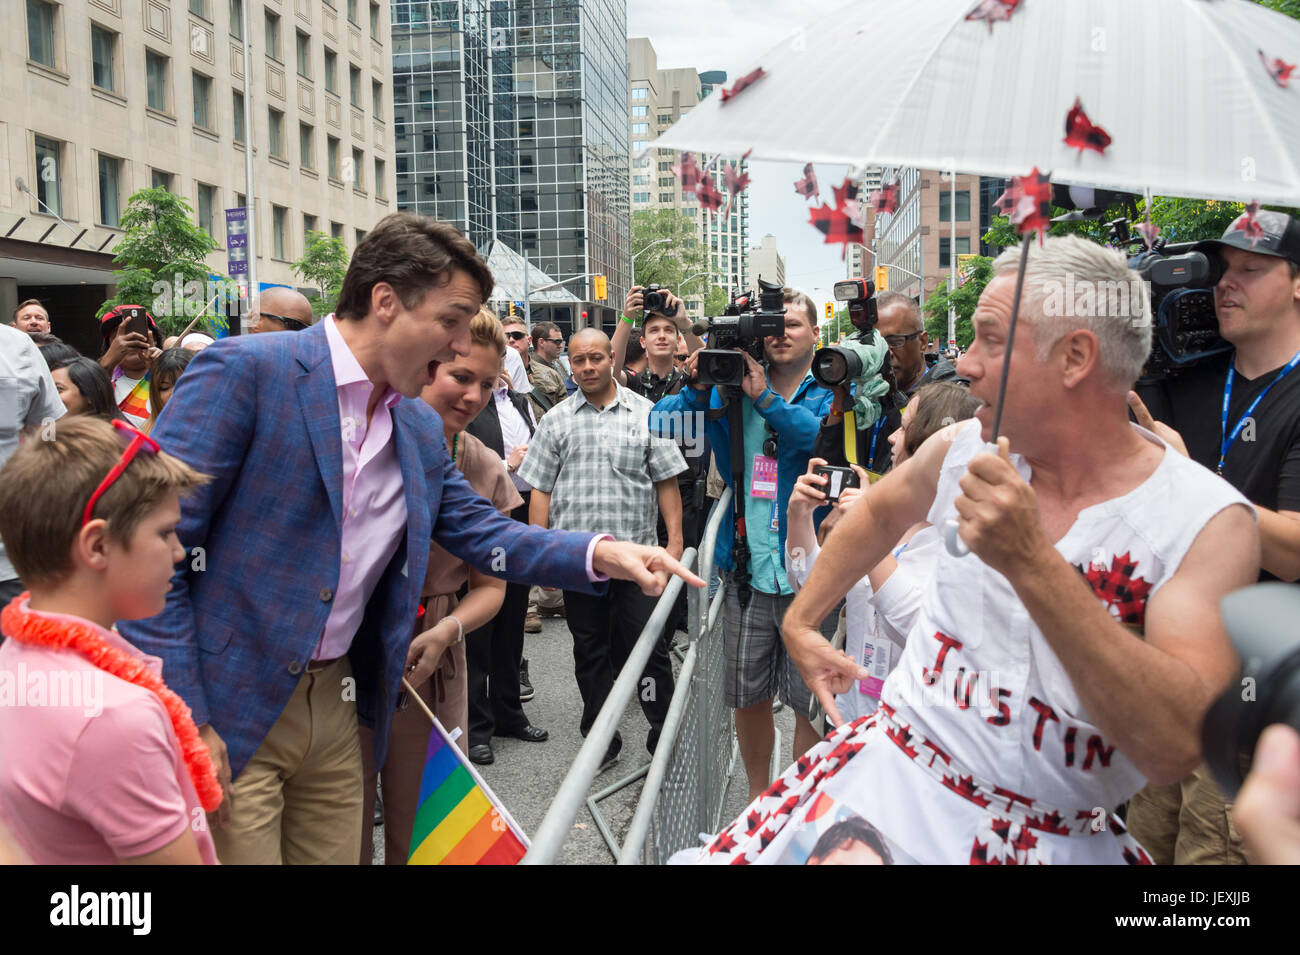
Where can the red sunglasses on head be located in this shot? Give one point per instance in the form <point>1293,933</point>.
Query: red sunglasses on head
<point>135,441</point>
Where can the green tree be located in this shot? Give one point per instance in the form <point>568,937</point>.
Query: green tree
<point>324,263</point>
<point>668,263</point>
<point>963,299</point>
<point>161,264</point>
<point>716,301</point>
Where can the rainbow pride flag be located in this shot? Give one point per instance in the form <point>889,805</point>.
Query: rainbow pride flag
<point>459,821</point>
<point>136,402</point>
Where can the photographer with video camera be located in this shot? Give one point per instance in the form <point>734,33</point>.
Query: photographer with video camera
<point>1237,413</point>
<point>762,442</point>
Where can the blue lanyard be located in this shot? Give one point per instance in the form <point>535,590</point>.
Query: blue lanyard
<point>875,433</point>
<point>1225,439</point>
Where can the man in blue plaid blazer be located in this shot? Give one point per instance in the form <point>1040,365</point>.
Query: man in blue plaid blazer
<point>272,633</point>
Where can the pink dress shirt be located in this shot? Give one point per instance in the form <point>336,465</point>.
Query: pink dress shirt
<point>374,502</point>
<point>90,777</point>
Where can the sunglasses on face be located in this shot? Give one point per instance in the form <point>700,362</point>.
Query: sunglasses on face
<point>898,341</point>
<point>135,442</point>
<point>516,336</point>
<point>290,324</point>
<point>556,341</point>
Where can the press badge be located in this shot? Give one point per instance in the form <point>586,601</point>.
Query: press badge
<point>762,483</point>
<point>875,657</point>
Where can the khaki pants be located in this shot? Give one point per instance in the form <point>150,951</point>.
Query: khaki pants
<point>540,598</point>
<point>1186,823</point>
<point>298,801</point>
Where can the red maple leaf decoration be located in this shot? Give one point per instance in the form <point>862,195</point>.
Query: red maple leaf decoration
<point>836,226</point>
<point>1248,224</point>
<point>979,853</point>
<point>807,186</point>
<point>1025,841</point>
<point>1138,858</point>
<point>1013,797</point>
<point>1002,827</point>
<point>752,822</point>
<point>885,199</point>
<point>966,788</point>
<point>1081,133</point>
<point>1277,69</point>
<point>746,81</point>
<point>735,180</point>
<point>990,10</point>
<point>1119,588</point>
<point>708,194</point>
<point>687,171</point>
<point>1027,203</point>
<point>777,788</point>
<point>1051,822</point>
<point>724,843</point>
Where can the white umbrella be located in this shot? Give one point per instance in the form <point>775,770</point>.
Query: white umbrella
<point>1179,85</point>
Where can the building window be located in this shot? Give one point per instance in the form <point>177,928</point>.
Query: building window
<point>332,156</point>
<point>640,129</point>
<point>160,180</point>
<point>331,71</point>
<point>40,32</point>
<point>241,201</point>
<point>110,213</point>
<point>358,157</point>
<point>155,69</point>
<point>202,99</point>
<point>354,85</point>
<point>237,19</point>
<point>207,202</point>
<point>374,21</point>
<point>352,12</point>
<point>360,235</point>
<point>963,246</point>
<point>303,44</point>
<point>640,110</point>
<point>103,57</point>
<point>237,113</point>
<point>308,227</point>
<point>963,205</point>
<point>273,36</point>
<point>665,117</point>
<point>379,179</point>
<point>640,92</point>
<point>48,175</point>
<point>336,230</point>
<point>278,214</point>
<point>275,133</point>
<point>306,150</point>
<point>377,99</point>
<point>199,8</point>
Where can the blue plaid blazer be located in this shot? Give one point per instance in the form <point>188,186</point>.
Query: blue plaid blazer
<point>260,415</point>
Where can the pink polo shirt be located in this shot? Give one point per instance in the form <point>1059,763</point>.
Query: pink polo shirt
<point>374,503</point>
<point>90,768</point>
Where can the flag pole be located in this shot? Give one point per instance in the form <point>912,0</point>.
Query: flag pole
<point>498,806</point>
<point>1011,337</point>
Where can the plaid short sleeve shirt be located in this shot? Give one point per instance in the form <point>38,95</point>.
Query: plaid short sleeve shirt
<point>600,466</point>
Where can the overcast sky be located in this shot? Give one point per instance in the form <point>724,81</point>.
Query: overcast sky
<point>733,35</point>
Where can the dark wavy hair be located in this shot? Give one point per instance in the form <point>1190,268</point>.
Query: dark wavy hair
<point>167,368</point>
<point>90,378</point>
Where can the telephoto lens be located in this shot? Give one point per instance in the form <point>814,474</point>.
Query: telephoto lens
<point>834,366</point>
<point>1260,621</point>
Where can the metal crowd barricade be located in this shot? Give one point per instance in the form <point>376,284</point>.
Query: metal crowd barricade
<point>686,781</point>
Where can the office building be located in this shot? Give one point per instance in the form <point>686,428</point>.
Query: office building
<point>766,262</point>
<point>105,97</point>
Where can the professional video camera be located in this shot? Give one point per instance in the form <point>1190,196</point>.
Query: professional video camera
<point>1185,328</point>
<point>744,324</point>
<point>656,300</point>
<point>1260,621</point>
<point>859,357</point>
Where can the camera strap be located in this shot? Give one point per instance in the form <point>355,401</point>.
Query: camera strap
<point>736,438</point>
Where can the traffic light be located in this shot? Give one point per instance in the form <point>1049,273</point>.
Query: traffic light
<point>882,278</point>
<point>511,313</point>
<point>601,288</point>
<point>830,312</point>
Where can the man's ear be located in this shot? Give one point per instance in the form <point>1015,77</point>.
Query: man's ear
<point>384,302</point>
<point>1080,355</point>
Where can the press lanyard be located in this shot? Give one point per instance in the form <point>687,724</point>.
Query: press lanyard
<point>1225,439</point>
<point>875,433</point>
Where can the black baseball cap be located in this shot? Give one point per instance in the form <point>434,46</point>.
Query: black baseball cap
<point>1279,236</point>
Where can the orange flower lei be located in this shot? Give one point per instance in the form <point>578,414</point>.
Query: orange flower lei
<point>27,627</point>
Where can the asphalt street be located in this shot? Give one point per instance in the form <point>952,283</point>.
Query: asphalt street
<point>526,776</point>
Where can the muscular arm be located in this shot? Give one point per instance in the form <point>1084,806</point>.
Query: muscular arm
<point>1279,535</point>
<point>670,508</point>
<point>1149,695</point>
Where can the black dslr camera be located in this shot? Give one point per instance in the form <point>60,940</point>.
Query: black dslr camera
<point>656,300</point>
<point>1184,326</point>
<point>744,324</point>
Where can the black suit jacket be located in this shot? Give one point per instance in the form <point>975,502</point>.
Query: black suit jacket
<point>486,426</point>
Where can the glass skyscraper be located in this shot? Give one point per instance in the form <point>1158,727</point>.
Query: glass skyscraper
<point>512,124</point>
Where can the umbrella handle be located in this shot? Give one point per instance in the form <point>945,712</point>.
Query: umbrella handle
<point>951,539</point>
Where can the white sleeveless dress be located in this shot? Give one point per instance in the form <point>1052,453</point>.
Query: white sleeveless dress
<point>981,751</point>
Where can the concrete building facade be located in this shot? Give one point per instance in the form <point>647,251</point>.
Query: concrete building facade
<point>105,97</point>
<point>766,262</point>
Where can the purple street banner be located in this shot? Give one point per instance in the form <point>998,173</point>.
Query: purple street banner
<point>237,241</point>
